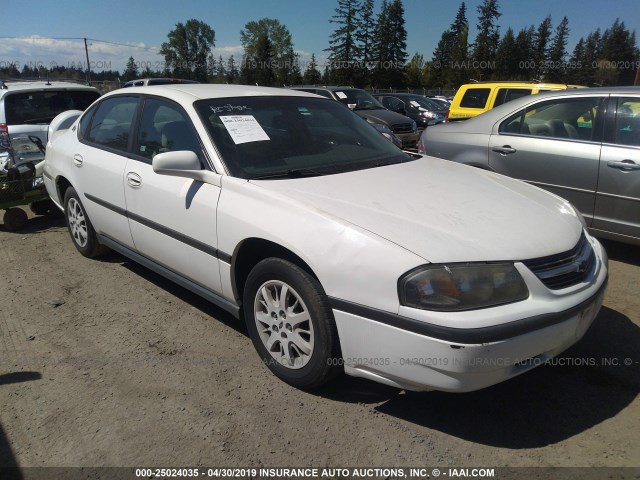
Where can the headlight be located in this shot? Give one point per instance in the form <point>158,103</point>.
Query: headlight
<point>459,287</point>
<point>429,115</point>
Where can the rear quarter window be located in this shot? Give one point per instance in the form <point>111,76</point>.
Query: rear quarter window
<point>475,98</point>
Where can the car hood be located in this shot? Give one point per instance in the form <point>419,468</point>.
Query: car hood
<point>382,115</point>
<point>442,211</point>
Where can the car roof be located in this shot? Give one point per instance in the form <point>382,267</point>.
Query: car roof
<point>189,93</point>
<point>13,86</point>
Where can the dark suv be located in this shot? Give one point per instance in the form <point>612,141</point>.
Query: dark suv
<point>371,110</point>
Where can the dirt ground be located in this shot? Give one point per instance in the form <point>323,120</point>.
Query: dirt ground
<point>104,363</point>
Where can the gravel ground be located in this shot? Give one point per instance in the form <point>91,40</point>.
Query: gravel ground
<point>104,363</point>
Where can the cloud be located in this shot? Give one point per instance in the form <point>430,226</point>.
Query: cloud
<point>36,51</point>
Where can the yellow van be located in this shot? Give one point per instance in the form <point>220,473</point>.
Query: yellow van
<point>473,99</point>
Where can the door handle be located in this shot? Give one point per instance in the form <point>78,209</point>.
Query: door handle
<point>624,165</point>
<point>504,150</point>
<point>134,180</point>
<point>77,160</point>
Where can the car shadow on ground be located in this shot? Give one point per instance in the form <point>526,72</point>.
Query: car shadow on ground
<point>622,252</point>
<point>8,462</point>
<point>583,387</point>
<point>37,223</point>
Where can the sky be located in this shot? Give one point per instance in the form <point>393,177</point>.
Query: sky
<point>34,32</point>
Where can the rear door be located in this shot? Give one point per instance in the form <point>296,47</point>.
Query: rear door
<point>545,145</point>
<point>98,165</point>
<point>617,207</point>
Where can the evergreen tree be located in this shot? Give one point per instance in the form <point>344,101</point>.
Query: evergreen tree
<point>220,71</point>
<point>449,66</point>
<point>364,39</point>
<point>344,50</point>
<point>540,49</point>
<point>574,73</point>
<point>130,71</point>
<point>558,52</point>
<point>415,72</point>
<point>232,73</point>
<point>618,55</point>
<point>507,63</point>
<point>390,45</point>
<point>312,75</point>
<point>525,46</point>
<point>487,39</point>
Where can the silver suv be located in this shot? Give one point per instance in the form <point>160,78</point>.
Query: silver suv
<point>583,145</point>
<point>26,110</point>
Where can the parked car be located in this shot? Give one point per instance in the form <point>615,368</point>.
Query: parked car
<point>144,82</point>
<point>444,102</point>
<point>583,145</point>
<point>371,110</point>
<point>472,99</point>
<point>421,110</point>
<point>341,252</point>
<point>27,108</point>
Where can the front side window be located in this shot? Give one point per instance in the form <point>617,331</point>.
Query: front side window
<point>358,99</point>
<point>271,137</point>
<point>569,119</point>
<point>628,122</point>
<point>163,128</point>
<point>393,104</point>
<point>475,98</point>
<point>112,122</point>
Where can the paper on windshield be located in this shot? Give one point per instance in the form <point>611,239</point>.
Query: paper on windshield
<point>244,128</point>
<point>341,95</point>
<point>414,103</point>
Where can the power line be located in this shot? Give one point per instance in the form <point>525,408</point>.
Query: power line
<point>151,49</point>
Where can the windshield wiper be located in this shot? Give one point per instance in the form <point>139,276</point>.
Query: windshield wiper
<point>295,173</point>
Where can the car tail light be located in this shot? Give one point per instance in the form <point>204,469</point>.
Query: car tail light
<point>5,140</point>
<point>446,116</point>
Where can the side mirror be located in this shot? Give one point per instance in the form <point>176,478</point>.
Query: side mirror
<point>183,163</point>
<point>352,106</point>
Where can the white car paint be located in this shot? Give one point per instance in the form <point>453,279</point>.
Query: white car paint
<point>358,232</point>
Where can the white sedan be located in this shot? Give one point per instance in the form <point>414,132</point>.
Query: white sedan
<point>340,251</point>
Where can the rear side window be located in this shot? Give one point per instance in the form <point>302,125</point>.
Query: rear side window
<point>112,122</point>
<point>85,122</point>
<point>507,94</point>
<point>475,98</point>
<point>41,107</point>
<point>628,122</point>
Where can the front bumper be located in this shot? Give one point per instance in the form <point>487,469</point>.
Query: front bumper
<point>414,355</point>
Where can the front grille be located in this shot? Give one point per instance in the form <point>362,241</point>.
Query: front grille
<point>402,128</point>
<point>564,269</point>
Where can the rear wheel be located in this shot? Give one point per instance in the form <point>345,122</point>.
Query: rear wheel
<point>14,219</point>
<point>291,324</point>
<point>82,233</point>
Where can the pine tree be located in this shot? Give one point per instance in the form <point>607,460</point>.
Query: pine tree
<point>232,73</point>
<point>524,54</point>
<point>130,71</point>
<point>488,37</point>
<point>390,45</point>
<point>619,54</point>
<point>312,75</point>
<point>540,49</point>
<point>364,39</point>
<point>343,45</point>
<point>449,65</point>
<point>415,72</point>
<point>507,58</point>
<point>558,52</point>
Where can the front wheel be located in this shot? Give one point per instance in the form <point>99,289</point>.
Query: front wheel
<point>291,324</point>
<point>82,233</point>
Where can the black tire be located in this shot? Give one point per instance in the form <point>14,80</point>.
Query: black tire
<point>14,219</point>
<point>313,369</point>
<point>41,207</point>
<point>80,228</point>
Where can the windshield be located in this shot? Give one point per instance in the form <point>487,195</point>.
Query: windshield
<point>422,102</point>
<point>359,99</point>
<point>271,137</point>
<point>43,106</point>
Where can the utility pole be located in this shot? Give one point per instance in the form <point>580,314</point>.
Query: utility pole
<point>86,51</point>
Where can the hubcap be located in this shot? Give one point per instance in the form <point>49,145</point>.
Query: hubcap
<point>77,223</point>
<point>284,324</point>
